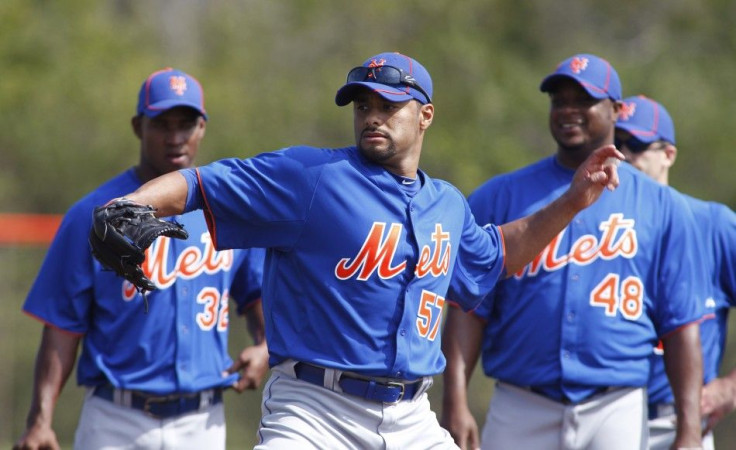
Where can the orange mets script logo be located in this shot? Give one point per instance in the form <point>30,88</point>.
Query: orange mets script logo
<point>578,64</point>
<point>618,239</point>
<point>178,84</point>
<point>191,262</point>
<point>627,111</point>
<point>377,254</point>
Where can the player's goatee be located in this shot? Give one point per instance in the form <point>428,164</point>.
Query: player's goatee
<point>377,155</point>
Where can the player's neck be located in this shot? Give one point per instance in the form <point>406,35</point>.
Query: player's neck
<point>572,158</point>
<point>406,166</point>
<point>144,173</point>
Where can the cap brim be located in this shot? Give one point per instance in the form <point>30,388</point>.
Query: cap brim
<point>645,136</point>
<point>346,93</point>
<point>155,109</point>
<point>549,82</point>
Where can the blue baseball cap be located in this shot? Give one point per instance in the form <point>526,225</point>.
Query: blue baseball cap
<point>596,75</point>
<point>168,88</point>
<point>411,81</point>
<point>646,120</point>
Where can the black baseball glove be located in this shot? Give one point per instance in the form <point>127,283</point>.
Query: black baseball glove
<point>121,232</point>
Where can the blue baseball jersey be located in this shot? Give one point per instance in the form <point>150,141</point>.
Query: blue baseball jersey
<point>716,226</point>
<point>357,269</point>
<point>587,312</point>
<point>180,345</point>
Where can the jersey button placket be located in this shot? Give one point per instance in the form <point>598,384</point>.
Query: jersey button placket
<point>185,327</point>
<point>569,326</point>
<point>402,337</point>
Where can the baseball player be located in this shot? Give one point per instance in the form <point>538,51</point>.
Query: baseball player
<point>360,247</point>
<point>645,133</point>
<point>568,337</point>
<point>154,374</point>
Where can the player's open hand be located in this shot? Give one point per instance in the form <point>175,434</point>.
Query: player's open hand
<point>253,365</point>
<point>598,171</point>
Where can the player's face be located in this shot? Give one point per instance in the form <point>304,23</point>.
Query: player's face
<point>388,133</point>
<point>578,122</point>
<point>169,141</point>
<point>654,161</point>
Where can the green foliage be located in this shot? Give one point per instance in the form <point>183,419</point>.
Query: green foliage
<point>71,72</point>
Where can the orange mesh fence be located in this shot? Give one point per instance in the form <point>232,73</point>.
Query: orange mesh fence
<point>28,229</point>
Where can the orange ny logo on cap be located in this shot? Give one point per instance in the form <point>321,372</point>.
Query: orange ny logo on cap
<point>378,63</point>
<point>374,63</point>
<point>178,84</point>
<point>578,64</point>
<point>628,109</point>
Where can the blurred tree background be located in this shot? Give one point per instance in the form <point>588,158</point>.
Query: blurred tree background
<point>71,72</point>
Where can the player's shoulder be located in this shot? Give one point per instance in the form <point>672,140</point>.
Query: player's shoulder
<point>721,211</point>
<point>78,218</point>
<point>711,214</point>
<point>532,173</point>
<point>296,157</point>
<point>699,207</point>
<point>121,184</point>
<point>634,182</point>
<point>310,154</point>
<point>639,180</point>
<point>442,187</point>
<point>708,207</point>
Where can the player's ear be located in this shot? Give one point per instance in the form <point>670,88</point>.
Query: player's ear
<point>202,125</point>
<point>670,152</point>
<point>426,114</point>
<point>617,105</point>
<point>137,123</point>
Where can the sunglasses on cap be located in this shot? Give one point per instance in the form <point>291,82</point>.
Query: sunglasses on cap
<point>385,75</point>
<point>636,146</point>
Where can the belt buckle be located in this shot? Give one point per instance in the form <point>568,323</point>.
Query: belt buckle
<point>401,393</point>
<point>147,405</point>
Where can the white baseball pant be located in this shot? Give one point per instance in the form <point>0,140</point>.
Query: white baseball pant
<point>106,425</point>
<point>520,419</point>
<point>298,414</point>
<point>662,430</point>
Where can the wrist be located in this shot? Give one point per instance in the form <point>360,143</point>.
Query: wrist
<point>568,205</point>
<point>452,401</point>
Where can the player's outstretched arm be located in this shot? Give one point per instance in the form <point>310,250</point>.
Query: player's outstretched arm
<point>54,363</point>
<point>167,194</point>
<point>683,362</point>
<point>253,360</point>
<point>718,399</point>
<point>461,341</point>
<point>526,237</point>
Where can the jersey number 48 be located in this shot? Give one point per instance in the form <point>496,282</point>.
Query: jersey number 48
<point>613,295</point>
